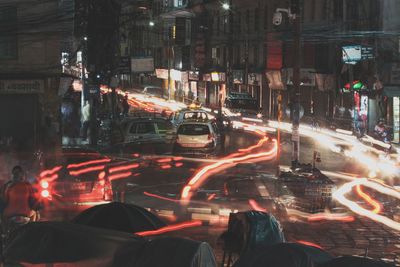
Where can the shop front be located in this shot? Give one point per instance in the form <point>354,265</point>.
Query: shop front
<point>21,110</point>
<point>255,86</point>
<point>179,83</point>
<point>392,93</point>
<point>215,88</point>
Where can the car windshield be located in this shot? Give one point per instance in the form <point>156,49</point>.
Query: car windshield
<point>193,129</point>
<point>195,115</point>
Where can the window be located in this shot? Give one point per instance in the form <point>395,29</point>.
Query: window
<point>162,127</point>
<point>266,18</point>
<point>247,20</point>
<point>194,129</point>
<point>256,19</point>
<point>256,55</point>
<point>218,22</point>
<point>8,34</point>
<point>239,22</point>
<point>145,128</point>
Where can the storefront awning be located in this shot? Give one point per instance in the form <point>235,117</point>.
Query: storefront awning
<point>391,90</point>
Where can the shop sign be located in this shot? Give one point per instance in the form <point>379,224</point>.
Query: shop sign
<point>175,75</point>
<point>124,65</point>
<point>254,78</point>
<point>193,75</point>
<point>237,76</point>
<point>325,82</point>
<point>207,77</point>
<point>218,76</point>
<point>307,77</point>
<point>142,64</point>
<point>21,86</point>
<point>162,74</point>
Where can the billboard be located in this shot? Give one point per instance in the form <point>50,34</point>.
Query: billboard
<point>142,64</point>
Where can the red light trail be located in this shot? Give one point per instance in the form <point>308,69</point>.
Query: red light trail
<point>124,168</point>
<point>50,172</point>
<point>119,176</point>
<point>86,170</point>
<point>86,163</point>
<point>160,197</point>
<point>308,243</point>
<point>170,228</point>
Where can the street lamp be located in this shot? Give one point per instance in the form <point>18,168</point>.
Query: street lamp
<point>226,6</point>
<point>151,24</point>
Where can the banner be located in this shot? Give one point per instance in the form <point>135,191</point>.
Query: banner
<point>275,80</point>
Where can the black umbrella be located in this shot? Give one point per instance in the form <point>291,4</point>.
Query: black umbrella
<point>352,261</point>
<point>283,254</point>
<point>57,242</point>
<point>166,252</point>
<point>119,216</point>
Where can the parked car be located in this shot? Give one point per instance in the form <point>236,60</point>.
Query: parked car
<point>154,91</point>
<point>198,137</point>
<point>147,129</point>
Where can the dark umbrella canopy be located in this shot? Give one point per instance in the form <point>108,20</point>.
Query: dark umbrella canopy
<point>58,242</point>
<point>283,254</point>
<point>119,216</point>
<point>166,252</point>
<point>352,261</point>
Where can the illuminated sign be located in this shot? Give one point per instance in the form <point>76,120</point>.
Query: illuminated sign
<point>215,76</point>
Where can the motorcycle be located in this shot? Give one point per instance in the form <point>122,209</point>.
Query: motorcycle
<point>12,223</point>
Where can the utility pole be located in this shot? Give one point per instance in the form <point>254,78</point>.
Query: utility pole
<point>169,61</point>
<point>296,9</point>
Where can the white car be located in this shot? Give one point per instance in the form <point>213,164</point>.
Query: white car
<point>198,137</point>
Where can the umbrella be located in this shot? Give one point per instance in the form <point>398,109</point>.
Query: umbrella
<point>353,261</point>
<point>283,254</point>
<point>62,242</point>
<point>119,216</point>
<point>166,252</point>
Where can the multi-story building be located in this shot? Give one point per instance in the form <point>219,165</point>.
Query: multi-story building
<point>213,47</point>
<point>33,37</point>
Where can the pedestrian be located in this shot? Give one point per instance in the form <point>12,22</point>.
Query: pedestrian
<point>85,121</point>
<point>125,105</point>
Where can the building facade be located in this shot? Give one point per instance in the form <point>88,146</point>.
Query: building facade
<point>33,38</point>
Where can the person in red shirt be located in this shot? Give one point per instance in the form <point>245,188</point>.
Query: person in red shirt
<point>19,196</point>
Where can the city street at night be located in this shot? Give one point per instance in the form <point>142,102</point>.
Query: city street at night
<point>193,133</point>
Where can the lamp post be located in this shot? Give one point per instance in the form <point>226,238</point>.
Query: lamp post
<point>295,97</point>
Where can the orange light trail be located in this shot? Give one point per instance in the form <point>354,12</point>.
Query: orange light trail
<point>160,197</point>
<point>377,206</point>
<point>322,216</point>
<point>86,163</point>
<point>308,243</point>
<point>86,170</point>
<point>340,193</point>
<point>211,197</point>
<point>255,206</point>
<point>119,176</point>
<point>170,228</point>
<point>124,168</point>
<point>220,165</point>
